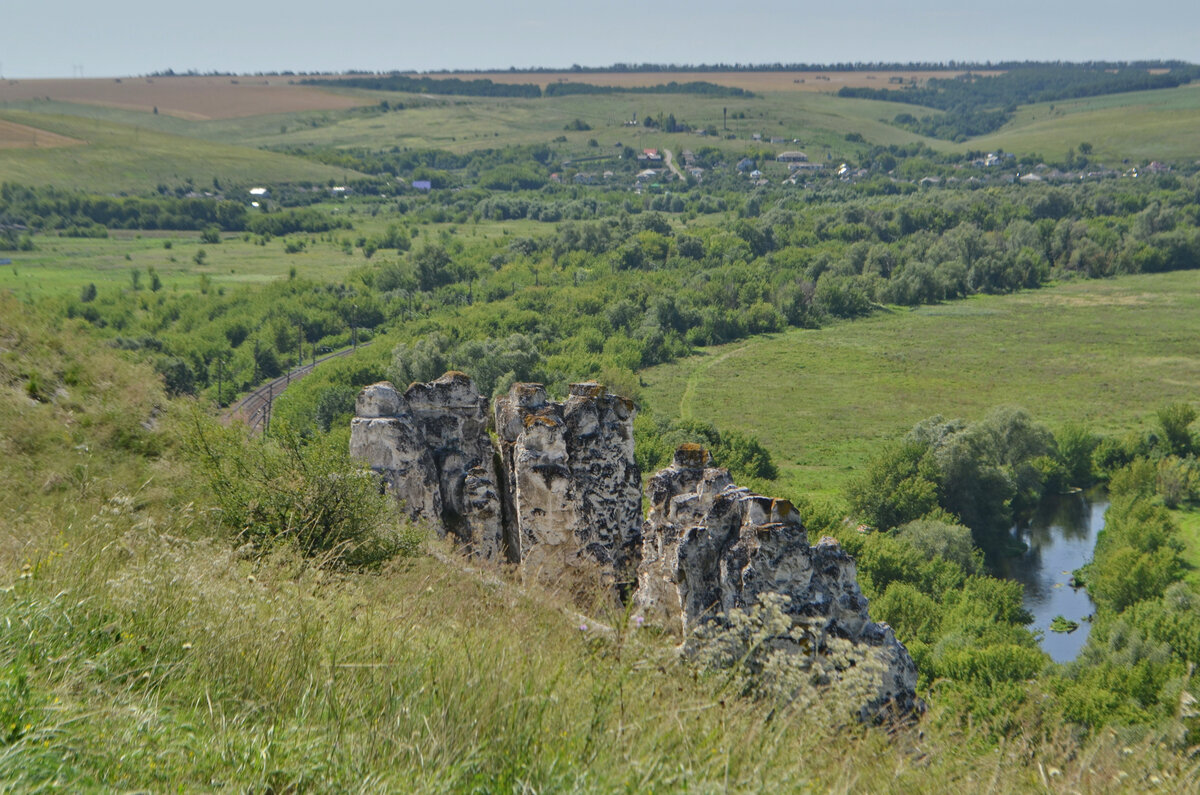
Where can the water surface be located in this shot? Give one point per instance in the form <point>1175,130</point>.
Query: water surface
<point>1061,537</point>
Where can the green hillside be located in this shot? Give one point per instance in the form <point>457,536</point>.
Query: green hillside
<point>123,157</point>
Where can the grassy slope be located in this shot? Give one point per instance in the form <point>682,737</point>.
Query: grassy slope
<point>1142,125</point>
<point>1104,352</point>
<point>144,654</point>
<point>123,158</point>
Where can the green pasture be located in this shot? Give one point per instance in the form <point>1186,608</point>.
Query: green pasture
<point>1140,126</point>
<point>124,158</point>
<point>1105,353</point>
<point>820,121</point>
<point>63,265</point>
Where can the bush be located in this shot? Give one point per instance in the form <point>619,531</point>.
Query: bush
<point>282,490</point>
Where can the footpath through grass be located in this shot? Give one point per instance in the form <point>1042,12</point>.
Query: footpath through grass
<point>1107,353</point>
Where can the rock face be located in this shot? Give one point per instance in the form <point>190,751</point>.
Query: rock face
<point>561,497</point>
<point>574,486</point>
<point>433,451</point>
<point>710,547</point>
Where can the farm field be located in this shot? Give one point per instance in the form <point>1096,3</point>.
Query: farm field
<point>119,157</point>
<point>1106,353</point>
<point>808,82</point>
<point>206,127</point>
<point>22,136</point>
<point>187,97</point>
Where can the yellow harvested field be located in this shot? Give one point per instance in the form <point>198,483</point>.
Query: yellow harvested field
<point>750,81</point>
<point>20,136</point>
<point>187,97</point>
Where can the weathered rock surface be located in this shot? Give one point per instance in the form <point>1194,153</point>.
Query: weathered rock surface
<point>432,448</point>
<point>574,484</point>
<point>710,547</point>
<point>561,497</point>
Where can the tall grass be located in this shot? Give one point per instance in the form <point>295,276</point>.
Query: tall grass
<point>140,651</point>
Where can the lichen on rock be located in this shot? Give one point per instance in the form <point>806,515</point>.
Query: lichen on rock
<point>432,449</point>
<point>711,549</point>
<point>574,484</point>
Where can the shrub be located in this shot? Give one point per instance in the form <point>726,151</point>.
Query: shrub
<point>283,490</point>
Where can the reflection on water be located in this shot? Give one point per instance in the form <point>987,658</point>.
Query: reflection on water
<point>1061,537</point>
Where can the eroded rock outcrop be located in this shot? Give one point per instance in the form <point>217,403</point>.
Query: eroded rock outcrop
<point>561,497</point>
<point>431,446</point>
<point>711,547</point>
<point>574,485</point>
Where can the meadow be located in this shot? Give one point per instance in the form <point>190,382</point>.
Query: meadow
<point>1106,353</point>
<point>130,158</point>
<point>1138,126</point>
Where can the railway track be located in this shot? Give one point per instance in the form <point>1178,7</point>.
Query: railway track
<point>255,408</point>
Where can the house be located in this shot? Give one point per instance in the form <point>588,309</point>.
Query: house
<point>755,174</point>
<point>745,164</point>
<point>756,137</point>
<point>583,178</point>
<point>776,140</point>
<point>792,157</point>
<point>649,156</point>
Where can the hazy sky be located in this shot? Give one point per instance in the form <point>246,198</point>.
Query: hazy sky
<point>51,38</point>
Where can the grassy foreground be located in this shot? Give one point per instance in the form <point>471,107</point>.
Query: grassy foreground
<point>1106,353</point>
<point>140,650</point>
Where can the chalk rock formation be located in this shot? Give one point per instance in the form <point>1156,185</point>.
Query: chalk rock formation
<point>710,547</point>
<point>575,489</point>
<point>432,449</point>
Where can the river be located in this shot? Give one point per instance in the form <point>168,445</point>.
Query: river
<point>1060,537</point>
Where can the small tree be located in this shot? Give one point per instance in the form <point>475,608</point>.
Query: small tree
<point>1174,420</point>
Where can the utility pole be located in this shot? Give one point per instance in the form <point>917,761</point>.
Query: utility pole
<point>267,409</point>
<point>354,326</point>
<point>256,360</point>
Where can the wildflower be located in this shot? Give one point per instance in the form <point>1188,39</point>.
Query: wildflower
<point>639,620</point>
<point>583,627</point>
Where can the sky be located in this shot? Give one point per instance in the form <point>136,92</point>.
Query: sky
<point>117,38</point>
